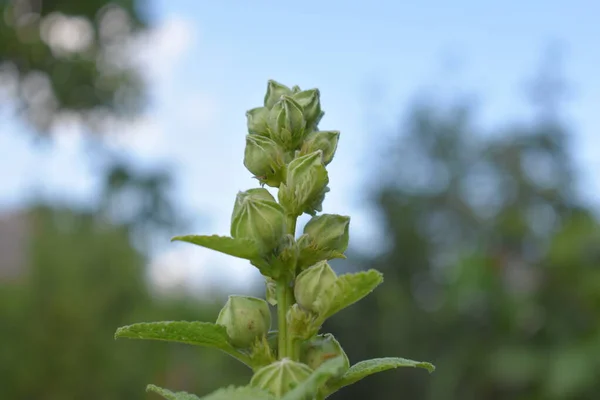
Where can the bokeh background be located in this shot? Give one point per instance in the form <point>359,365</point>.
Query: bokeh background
<point>469,161</point>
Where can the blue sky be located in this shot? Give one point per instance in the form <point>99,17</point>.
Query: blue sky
<point>209,62</point>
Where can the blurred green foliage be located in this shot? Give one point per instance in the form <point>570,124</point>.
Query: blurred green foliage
<point>83,279</point>
<point>83,275</point>
<point>492,263</point>
<point>71,56</point>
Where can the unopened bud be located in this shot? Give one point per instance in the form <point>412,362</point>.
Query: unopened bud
<point>285,255</point>
<point>245,319</point>
<point>280,377</point>
<point>321,348</point>
<point>300,323</point>
<point>311,283</point>
<point>329,231</point>
<point>326,141</point>
<point>310,100</point>
<point>257,216</point>
<point>305,185</point>
<point>325,237</point>
<point>274,92</point>
<point>287,123</point>
<point>264,158</point>
<point>257,121</point>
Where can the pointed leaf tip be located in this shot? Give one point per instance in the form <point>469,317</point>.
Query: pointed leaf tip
<point>236,247</point>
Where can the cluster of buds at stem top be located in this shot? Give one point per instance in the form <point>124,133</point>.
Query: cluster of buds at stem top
<point>285,128</point>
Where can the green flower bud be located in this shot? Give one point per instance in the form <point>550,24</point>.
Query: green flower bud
<point>264,158</point>
<point>305,185</point>
<point>321,348</point>
<point>329,231</point>
<point>287,123</point>
<point>285,256</point>
<point>301,323</point>
<point>311,282</point>
<point>261,352</point>
<point>325,237</point>
<point>280,377</point>
<point>258,121</point>
<point>245,318</point>
<point>326,141</point>
<point>310,100</point>
<point>274,92</point>
<point>257,216</point>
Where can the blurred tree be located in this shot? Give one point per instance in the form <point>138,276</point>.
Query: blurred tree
<point>141,200</point>
<point>492,267</point>
<point>62,56</point>
<point>82,273</point>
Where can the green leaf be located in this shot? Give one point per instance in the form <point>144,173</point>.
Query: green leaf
<point>240,393</point>
<point>194,333</point>
<point>308,389</point>
<point>230,393</point>
<point>167,394</point>
<point>236,247</point>
<point>347,290</point>
<point>369,367</point>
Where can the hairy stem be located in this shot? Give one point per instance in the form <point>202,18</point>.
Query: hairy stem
<point>285,299</point>
<point>290,339</point>
<point>294,350</point>
<point>282,308</point>
<point>291,224</point>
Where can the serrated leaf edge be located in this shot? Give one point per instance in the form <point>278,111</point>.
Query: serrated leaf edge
<point>226,348</point>
<point>332,311</point>
<point>394,363</point>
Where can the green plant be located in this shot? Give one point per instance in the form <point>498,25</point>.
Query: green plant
<point>284,150</point>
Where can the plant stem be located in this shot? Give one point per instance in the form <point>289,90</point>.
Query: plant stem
<point>285,299</point>
<point>291,224</point>
<point>290,339</point>
<point>294,350</point>
<point>282,308</point>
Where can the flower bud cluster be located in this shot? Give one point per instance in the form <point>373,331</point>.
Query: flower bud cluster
<point>285,149</point>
